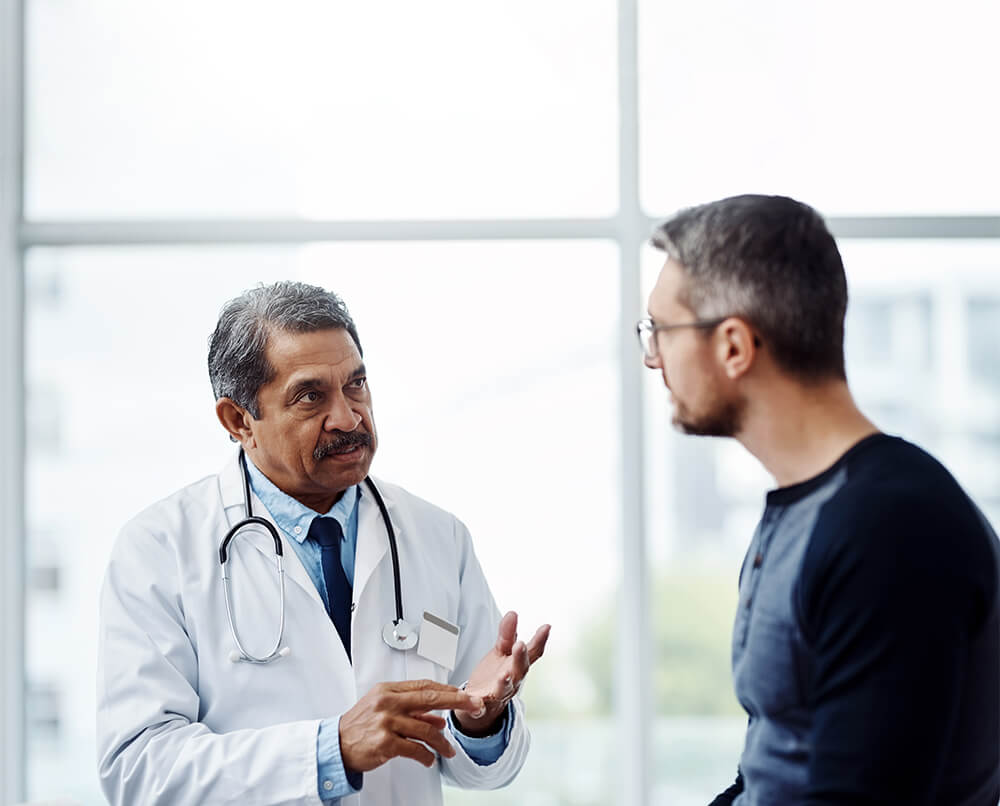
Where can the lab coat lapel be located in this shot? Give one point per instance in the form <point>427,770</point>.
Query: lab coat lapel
<point>373,540</point>
<point>231,489</point>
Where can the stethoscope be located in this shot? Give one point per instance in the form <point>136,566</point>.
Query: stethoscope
<point>397,634</point>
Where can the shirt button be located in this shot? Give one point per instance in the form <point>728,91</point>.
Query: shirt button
<point>328,785</point>
<point>298,531</point>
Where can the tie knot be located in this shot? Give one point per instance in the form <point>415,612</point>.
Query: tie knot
<point>326,532</point>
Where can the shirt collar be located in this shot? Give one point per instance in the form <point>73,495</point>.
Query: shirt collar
<point>293,517</point>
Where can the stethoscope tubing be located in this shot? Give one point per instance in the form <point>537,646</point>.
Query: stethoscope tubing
<point>276,649</point>
<point>391,533</point>
<point>254,520</point>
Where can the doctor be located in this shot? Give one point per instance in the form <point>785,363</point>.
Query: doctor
<point>334,714</point>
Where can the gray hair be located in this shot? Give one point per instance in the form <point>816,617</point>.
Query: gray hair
<point>772,261</point>
<point>237,349</point>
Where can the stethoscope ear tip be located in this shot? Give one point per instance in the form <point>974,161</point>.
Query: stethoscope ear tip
<point>284,652</point>
<point>235,657</point>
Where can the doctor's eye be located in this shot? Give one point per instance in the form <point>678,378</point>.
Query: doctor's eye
<point>358,383</point>
<point>311,396</point>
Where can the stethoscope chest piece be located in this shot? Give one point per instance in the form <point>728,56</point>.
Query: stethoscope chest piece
<point>399,635</point>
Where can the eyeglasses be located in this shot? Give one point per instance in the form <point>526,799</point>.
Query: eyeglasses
<point>646,330</point>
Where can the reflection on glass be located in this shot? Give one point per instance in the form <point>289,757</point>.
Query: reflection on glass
<point>921,335</point>
<point>318,109</point>
<point>484,406</point>
<point>984,340</point>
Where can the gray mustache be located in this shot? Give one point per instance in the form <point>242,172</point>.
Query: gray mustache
<point>342,441</point>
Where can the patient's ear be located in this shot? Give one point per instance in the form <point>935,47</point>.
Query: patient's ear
<point>736,346</point>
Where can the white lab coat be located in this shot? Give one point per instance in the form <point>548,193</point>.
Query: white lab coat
<point>179,723</point>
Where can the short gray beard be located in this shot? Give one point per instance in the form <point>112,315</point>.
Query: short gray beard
<point>726,420</point>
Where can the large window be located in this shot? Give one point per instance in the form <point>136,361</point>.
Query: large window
<point>478,183</point>
<point>487,410</point>
<point>839,105</point>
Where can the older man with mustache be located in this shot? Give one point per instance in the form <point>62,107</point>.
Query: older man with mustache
<point>194,709</point>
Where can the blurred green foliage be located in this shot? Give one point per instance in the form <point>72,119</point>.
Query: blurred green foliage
<point>691,619</point>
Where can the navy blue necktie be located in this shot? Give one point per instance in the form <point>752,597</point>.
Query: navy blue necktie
<point>327,532</point>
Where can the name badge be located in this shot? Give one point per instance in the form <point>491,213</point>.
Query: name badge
<point>438,641</point>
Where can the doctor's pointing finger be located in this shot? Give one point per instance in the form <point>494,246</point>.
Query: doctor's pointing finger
<point>392,719</point>
<point>290,629</point>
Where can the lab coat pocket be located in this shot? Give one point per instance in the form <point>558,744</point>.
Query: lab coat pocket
<point>419,668</point>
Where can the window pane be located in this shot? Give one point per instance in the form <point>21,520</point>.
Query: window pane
<point>921,333</point>
<point>319,109</point>
<point>487,404</point>
<point>930,372</point>
<point>854,107</point>
<point>984,339</point>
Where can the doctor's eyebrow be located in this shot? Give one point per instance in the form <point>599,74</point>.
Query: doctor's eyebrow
<point>304,385</point>
<point>307,384</point>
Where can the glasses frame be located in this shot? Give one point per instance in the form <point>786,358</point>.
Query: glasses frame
<point>648,328</point>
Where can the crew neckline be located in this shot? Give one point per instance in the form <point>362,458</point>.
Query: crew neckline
<point>781,496</point>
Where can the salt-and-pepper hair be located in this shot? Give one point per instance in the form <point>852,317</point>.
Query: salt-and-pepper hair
<point>769,260</point>
<point>237,351</point>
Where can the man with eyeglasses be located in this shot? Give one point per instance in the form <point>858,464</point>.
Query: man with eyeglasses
<point>866,644</point>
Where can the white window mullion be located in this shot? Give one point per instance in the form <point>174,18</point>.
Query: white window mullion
<point>12,732</point>
<point>632,679</point>
<point>296,231</point>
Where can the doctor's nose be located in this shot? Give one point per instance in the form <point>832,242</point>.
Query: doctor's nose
<point>341,417</point>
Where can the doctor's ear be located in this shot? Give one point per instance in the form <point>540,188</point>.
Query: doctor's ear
<point>236,420</point>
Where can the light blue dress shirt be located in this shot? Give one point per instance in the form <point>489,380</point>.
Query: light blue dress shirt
<point>294,519</point>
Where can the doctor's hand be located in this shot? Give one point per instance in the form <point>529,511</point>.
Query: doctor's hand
<point>499,675</point>
<point>394,718</point>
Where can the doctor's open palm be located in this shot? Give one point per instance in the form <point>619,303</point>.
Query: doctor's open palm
<point>396,719</point>
<point>498,677</point>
